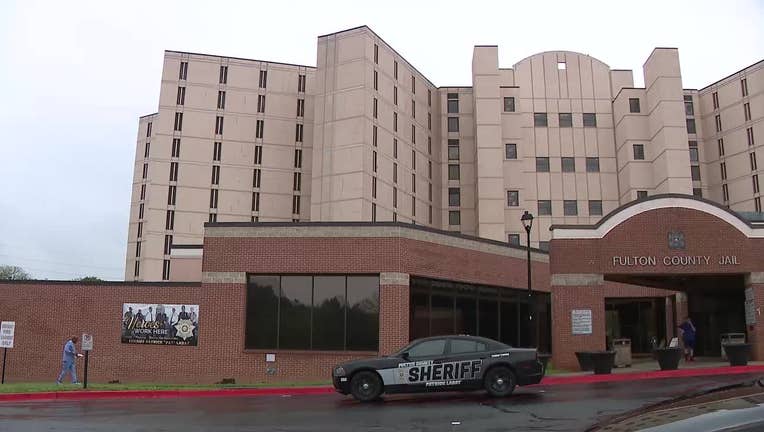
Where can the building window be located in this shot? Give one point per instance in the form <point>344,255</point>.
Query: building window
<point>694,155</point>
<point>545,207</point>
<point>215,174</point>
<point>140,230</point>
<point>148,129</point>
<point>639,151</point>
<point>374,135</point>
<point>592,164</point>
<point>140,209</point>
<point>147,150</point>
<point>375,108</point>
<point>718,119</point>
<point>413,84</point>
<point>262,83</point>
<point>454,217</point>
<point>688,108</point>
<point>453,172</point>
<point>453,149</point>
<point>697,192</point>
<point>374,161</point>
<point>395,172</point>
<point>395,197</point>
<point>376,54</point>
<point>171,192</point>
<point>137,268</point>
<point>429,214</point>
<point>301,83</point>
<point>413,108</point>
<point>137,249</point>
<point>413,207</point>
<point>542,164</point>
<point>757,204</point>
<point>755,180</point>
<point>166,270</point>
<point>167,244</point>
<point>590,120</point>
<point>213,217</point>
<point>453,124</point>
<point>395,95</point>
<point>510,151</point>
<point>297,182</point>
<point>509,104</point>
<point>143,192</point>
<point>221,99</point>
<point>178,121</point>
<point>720,144</point>
<point>539,120</point>
<point>413,183</point>
<point>300,107</point>
<point>413,134</point>
<point>749,134</point>
<point>395,69</point>
<point>298,132</point>
<point>217,149</point>
<point>695,172</point>
<point>747,111</point>
<point>513,239</point>
<point>376,80</point>
<point>259,155</point>
<point>145,171</point>
<point>454,197</point>
<point>429,191</point>
<point>566,120</point>
<point>753,161</point>
<point>641,194</point>
<point>173,171</point>
<point>296,204</point>
<point>544,246</point>
<point>413,159</point>
<point>691,126</point>
<point>256,177</point>
<point>219,125</point>
<point>513,198</point>
<point>452,103</point>
<point>183,74</point>
<point>181,99</point>
<point>297,158</point>
<point>429,121</point>
<point>395,122</point>
<point>634,105</point>
<point>255,201</point>
<point>715,99</point>
<point>213,198</point>
<point>725,193</point>
<point>312,313</point>
<point>429,145</point>
<point>373,212</point>
<point>395,148</point>
<point>595,208</point>
<point>175,152</point>
<point>261,103</point>
<point>744,87</point>
<point>223,75</point>
<point>570,207</point>
<point>395,217</point>
<point>568,164</point>
<point>373,187</point>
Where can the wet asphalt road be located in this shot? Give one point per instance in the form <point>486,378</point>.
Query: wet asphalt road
<point>548,408</point>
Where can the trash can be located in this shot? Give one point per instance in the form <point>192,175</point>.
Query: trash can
<point>622,348</point>
<point>731,339</point>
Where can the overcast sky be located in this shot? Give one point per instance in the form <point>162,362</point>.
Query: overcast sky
<point>75,76</point>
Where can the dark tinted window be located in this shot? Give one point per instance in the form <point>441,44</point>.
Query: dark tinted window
<point>542,164</point>
<point>428,348</point>
<point>568,164</point>
<point>539,119</point>
<point>592,164</point>
<point>462,346</point>
<point>590,120</point>
<point>509,104</point>
<point>566,120</point>
<point>634,105</point>
<point>545,208</point>
<point>262,308</point>
<point>510,151</point>
<point>363,313</point>
<point>294,312</point>
<point>328,312</point>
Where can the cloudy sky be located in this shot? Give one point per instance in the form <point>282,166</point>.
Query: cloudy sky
<point>75,76</point>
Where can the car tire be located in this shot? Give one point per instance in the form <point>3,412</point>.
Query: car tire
<point>366,386</point>
<point>500,381</point>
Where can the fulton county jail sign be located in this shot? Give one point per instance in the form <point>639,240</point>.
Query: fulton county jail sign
<point>675,260</point>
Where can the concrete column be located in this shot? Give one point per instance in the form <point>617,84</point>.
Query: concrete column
<point>570,292</point>
<point>755,332</point>
<point>394,297</point>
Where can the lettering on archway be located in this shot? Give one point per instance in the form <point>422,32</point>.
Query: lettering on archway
<point>674,260</point>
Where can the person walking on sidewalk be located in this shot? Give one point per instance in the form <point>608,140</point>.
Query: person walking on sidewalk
<point>688,337</point>
<point>67,361</point>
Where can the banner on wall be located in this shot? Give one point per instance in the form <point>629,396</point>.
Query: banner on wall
<point>160,324</point>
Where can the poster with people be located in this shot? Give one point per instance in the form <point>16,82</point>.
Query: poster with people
<point>160,324</point>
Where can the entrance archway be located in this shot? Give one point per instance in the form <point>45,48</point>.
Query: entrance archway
<point>701,259</point>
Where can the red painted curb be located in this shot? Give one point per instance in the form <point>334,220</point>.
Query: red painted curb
<point>636,376</point>
<point>318,390</point>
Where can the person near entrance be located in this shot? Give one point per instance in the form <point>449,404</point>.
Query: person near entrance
<point>67,361</point>
<point>688,337</point>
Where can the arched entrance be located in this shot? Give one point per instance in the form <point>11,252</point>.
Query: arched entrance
<point>651,262</point>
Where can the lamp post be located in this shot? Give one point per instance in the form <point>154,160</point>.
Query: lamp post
<point>527,220</point>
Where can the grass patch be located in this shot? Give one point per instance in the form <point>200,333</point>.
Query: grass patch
<point>53,387</point>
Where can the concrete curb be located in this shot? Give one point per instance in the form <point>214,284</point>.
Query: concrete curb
<point>321,390</point>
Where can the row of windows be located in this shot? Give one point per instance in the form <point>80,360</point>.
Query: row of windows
<point>223,76</point>
<point>568,164</point>
<point>743,93</point>
<point>565,119</point>
<point>395,75</point>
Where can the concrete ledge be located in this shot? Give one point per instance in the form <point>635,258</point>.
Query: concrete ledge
<point>401,279</point>
<point>754,278</point>
<point>224,277</point>
<point>577,279</point>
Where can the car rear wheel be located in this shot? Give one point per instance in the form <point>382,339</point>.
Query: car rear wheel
<point>366,386</point>
<point>500,381</point>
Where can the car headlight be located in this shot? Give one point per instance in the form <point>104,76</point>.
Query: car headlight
<point>339,371</point>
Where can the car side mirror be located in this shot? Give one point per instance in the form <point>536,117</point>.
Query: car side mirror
<point>405,355</point>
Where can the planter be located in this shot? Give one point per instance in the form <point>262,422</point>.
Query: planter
<point>544,359</point>
<point>738,354</point>
<point>668,358</point>
<point>585,361</point>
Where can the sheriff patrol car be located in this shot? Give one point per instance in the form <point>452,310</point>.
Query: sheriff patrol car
<point>441,363</point>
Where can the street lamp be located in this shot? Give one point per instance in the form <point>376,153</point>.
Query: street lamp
<point>527,220</point>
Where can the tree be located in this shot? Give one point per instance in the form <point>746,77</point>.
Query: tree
<point>9,272</point>
<point>90,279</point>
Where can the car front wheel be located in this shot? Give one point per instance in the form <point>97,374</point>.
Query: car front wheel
<point>500,381</point>
<point>366,386</point>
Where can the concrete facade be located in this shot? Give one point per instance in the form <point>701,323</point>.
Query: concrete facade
<point>365,136</point>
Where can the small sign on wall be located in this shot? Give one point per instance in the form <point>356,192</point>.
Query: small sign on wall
<point>7,331</point>
<point>750,307</point>
<point>581,321</point>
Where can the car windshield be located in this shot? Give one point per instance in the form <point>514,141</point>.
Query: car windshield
<point>490,345</point>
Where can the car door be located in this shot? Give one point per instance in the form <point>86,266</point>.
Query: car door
<point>468,357</point>
<point>415,372</point>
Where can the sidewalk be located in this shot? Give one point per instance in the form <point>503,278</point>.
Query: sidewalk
<point>648,365</point>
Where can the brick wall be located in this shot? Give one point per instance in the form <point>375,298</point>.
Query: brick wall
<point>755,332</point>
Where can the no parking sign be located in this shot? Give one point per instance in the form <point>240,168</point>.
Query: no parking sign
<point>87,342</point>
